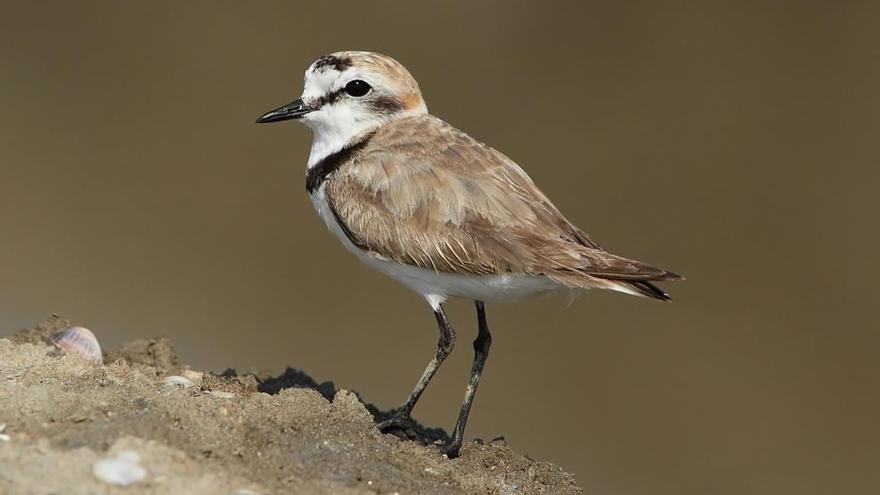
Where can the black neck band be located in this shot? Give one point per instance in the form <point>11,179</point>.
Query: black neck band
<point>316,175</point>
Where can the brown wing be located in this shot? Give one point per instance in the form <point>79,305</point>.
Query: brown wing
<point>425,194</point>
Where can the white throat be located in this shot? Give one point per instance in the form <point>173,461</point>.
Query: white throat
<point>329,139</point>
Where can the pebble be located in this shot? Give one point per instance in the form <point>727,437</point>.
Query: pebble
<point>3,436</point>
<point>176,381</point>
<point>122,470</point>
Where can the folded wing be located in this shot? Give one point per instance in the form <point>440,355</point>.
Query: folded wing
<point>464,207</point>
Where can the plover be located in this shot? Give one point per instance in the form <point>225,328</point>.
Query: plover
<point>437,210</point>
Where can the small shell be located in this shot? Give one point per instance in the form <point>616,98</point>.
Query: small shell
<point>80,341</point>
<point>176,381</point>
<point>121,470</point>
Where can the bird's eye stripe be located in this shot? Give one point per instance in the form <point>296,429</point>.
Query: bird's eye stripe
<point>331,97</point>
<point>361,89</point>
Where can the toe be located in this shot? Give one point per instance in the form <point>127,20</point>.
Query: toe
<point>452,449</point>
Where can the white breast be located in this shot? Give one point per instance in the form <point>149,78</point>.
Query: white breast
<point>434,286</point>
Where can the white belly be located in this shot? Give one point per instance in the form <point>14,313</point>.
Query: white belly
<point>437,286</point>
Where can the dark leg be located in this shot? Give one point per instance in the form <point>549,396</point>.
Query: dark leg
<point>402,417</point>
<point>481,352</point>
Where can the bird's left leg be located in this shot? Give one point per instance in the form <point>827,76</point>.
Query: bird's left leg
<point>481,352</point>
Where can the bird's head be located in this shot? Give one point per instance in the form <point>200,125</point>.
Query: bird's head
<point>348,93</point>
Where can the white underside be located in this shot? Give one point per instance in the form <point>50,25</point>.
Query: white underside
<point>435,286</point>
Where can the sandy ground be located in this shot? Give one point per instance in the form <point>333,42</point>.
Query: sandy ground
<point>227,434</point>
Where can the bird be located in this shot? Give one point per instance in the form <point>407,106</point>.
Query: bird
<point>433,208</point>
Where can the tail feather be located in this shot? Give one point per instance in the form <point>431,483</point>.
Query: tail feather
<point>605,270</point>
<point>642,288</point>
<point>601,269</point>
<point>646,289</point>
<point>631,276</point>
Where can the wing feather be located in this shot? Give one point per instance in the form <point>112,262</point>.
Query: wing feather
<point>426,194</point>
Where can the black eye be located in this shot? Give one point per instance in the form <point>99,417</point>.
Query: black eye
<point>357,88</point>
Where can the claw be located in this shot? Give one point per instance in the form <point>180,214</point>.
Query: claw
<point>399,421</point>
<point>403,426</point>
<point>451,449</point>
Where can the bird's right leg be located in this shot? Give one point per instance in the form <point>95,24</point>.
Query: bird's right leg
<point>402,418</point>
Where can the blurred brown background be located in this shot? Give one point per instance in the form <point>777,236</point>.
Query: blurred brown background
<point>735,143</point>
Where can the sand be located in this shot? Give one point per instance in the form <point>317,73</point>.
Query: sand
<point>226,434</point>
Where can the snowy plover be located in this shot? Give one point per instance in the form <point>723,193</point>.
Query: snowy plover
<point>437,210</point>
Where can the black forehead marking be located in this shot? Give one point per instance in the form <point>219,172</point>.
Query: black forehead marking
<point>338,63</point>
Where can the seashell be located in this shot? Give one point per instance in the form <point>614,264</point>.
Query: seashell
<point>176,381</point>
<point>80,341</point>
<point>122,470</point>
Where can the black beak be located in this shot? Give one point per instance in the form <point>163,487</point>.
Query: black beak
<point>293,110</point>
